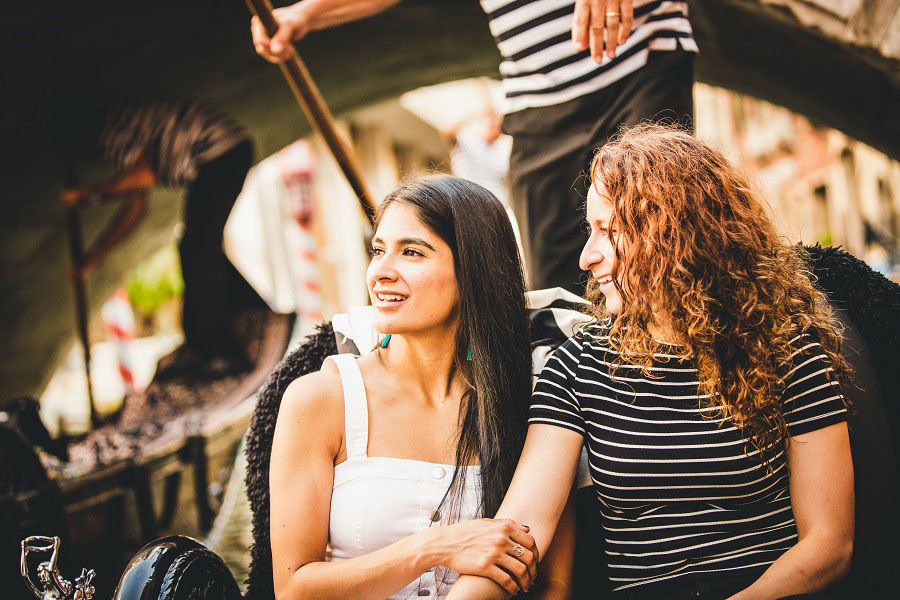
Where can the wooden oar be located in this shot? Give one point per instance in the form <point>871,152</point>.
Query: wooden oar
<point>312,103</point>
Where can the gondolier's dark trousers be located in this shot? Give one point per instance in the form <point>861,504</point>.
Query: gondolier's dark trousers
<point>552,151</point>
<point>209,305</point>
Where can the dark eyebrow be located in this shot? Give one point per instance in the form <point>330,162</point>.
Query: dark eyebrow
<point>406,242</point>
<point>416,242</point>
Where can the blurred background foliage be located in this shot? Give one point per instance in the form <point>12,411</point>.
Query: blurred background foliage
<point>156,281</point>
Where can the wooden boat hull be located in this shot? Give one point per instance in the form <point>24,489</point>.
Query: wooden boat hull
<point>173,486</point>
<point>104,516</point>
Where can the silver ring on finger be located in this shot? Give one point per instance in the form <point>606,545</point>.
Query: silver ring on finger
<point>518,550</point>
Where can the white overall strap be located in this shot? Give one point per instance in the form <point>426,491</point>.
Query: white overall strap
<point>356,411</point>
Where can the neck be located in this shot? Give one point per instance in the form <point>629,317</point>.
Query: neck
<point>424,362</point>
<point>663,332</point>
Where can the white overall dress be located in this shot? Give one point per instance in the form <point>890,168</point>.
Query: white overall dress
<point>376,501</point>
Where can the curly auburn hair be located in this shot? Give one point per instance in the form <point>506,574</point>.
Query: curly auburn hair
<point>694,243</point>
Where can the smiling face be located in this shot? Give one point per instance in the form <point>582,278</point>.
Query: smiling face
<point>411,278</point>
<point>599,254</point>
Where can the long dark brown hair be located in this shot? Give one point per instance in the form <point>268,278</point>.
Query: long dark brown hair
<point>492,325</point>
<point>702,250</point>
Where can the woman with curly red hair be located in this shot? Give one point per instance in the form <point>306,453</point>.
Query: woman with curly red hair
<point>707,391</point>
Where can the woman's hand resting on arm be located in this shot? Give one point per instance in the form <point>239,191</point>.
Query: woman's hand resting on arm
<point>486,547</point>
<point>537,496</point>
<point>307,443</point>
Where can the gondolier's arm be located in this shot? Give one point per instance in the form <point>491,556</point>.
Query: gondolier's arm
<point>298,19</point>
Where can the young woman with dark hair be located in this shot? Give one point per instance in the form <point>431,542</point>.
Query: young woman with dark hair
<point>382,465</point>
<point>707,391</point>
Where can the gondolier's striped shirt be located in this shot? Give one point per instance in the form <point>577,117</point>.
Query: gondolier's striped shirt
<point>177,135</point>
<point>540,65</point>
<point>680,495</point>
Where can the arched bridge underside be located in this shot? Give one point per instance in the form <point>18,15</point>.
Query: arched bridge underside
<point>836,61</point>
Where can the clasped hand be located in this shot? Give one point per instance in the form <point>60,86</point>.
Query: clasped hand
<point>499,549</point>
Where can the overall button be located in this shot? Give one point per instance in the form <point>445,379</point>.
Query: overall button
<point>439,472</point>
<point>435,516</point>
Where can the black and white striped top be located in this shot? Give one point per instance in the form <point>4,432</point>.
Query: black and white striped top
<point>540,65</point>
<point>177,135</point>
<point>680,497</point>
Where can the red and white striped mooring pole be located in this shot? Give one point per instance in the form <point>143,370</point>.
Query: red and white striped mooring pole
<point>118,321</point>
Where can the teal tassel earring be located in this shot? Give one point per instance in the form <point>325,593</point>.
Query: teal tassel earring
<point>387,339</point>
<point>469,354</point>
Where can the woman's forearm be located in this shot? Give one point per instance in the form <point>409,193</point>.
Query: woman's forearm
<point>553,590</point>
<point>554,580</point>
<point>821,487</point>
<point>372,576</point>
<point>470,587</point>
<point>810,566</point>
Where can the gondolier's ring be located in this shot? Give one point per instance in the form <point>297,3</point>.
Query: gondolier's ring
<point>518,550</point>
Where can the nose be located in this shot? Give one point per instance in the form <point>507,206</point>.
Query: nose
<point>590,254</point>
<point>382,268</point>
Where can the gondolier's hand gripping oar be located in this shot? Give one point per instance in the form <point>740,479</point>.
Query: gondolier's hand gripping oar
<point>312,103</point>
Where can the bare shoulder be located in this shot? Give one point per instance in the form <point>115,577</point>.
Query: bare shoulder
<point>313,406</point>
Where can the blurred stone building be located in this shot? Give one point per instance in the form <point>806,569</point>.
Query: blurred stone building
<point>823,187</point>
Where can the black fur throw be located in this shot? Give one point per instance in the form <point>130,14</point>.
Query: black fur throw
<point>873,303</point>
<point>306,359</point>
